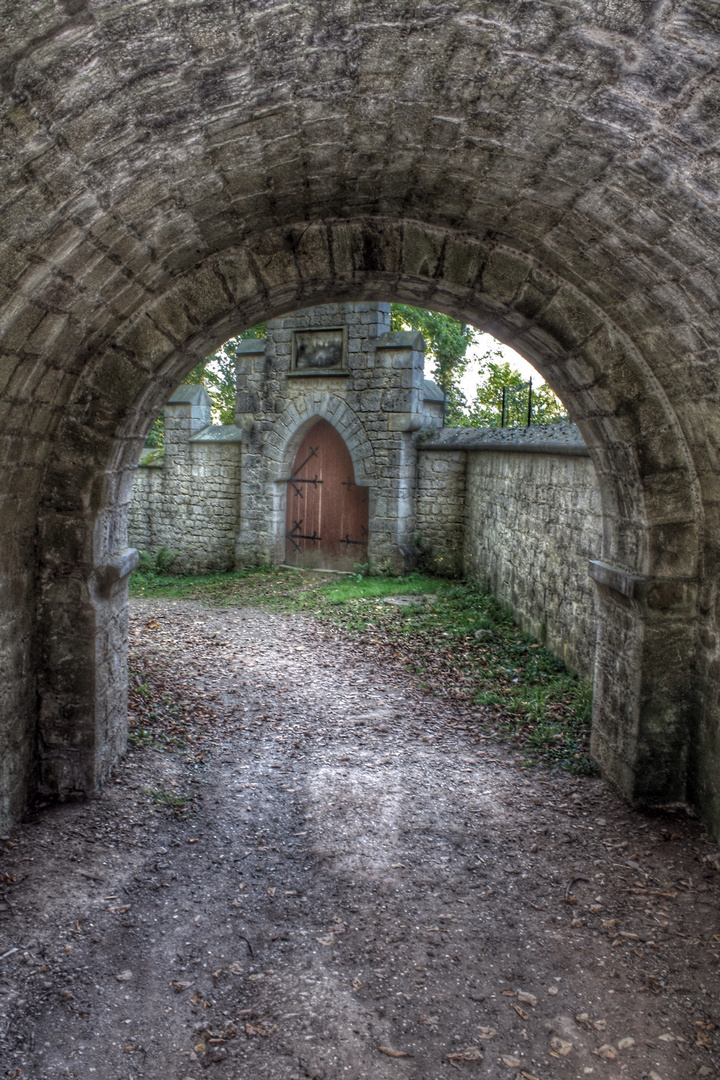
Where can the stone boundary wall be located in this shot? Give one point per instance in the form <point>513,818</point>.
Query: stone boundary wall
<point>440,510</point>
<point>168,511</point>
<point>189,501</point>
<point>532,520</point>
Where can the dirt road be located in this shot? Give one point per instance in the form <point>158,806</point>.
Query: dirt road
<point>346,879</point>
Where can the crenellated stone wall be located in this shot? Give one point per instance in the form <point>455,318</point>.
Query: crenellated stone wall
<point>216,496</point>
<point>188,499</point>
<point>376,402</point>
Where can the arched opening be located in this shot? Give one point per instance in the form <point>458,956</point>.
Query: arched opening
<point>327,512</point>
<point>160,206</point>
<point>646,578</point>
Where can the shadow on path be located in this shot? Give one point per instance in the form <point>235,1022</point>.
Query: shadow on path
<point>347,881</point>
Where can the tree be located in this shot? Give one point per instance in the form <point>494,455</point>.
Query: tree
<point>446,344</point>
<point>217,374</point>
<point>486,408</point>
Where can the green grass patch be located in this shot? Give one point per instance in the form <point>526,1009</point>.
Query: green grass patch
<point>457,640</point>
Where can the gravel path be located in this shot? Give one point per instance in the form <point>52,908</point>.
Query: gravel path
<point>359,886</point>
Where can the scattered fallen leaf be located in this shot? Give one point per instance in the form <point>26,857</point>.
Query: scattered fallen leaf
<point>470,1053</point>
<point>509,993</point>
<point>393,1053</point>
<point>666,1037</point>
<point>259,1028</point>
<point>431,1021</point>
<point>625,1044</point>
<point>561,1046</point>
<point>527,999</point>
<point>527,1075</point>
<point>486,1033</point>
<point>271,891</point>
<point>124,976</point>
<point>179,986</point>
<point>521,1012</point>
<point>607,1052</point>
<point>235,968</point>
<point>119,909</point>
<point>510,1062</point>
<point>327,939</point>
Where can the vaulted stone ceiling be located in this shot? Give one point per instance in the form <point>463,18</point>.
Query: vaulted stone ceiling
<point>140,138</point>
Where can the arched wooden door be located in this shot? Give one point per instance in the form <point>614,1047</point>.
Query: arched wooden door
<point>327,513</point>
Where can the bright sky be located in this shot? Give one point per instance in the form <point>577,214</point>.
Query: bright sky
<point>470,379</point>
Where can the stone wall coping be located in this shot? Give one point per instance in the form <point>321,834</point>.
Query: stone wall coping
<point>558,438</point>
<point>431,391</point>
<point>652,594</point>
<point>401,339</point>
<point>116,569</point>
<point>218,433</point>
<point>189,395</point>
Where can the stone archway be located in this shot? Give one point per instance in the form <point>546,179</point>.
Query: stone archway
<point>326,510</point>
<point>331,410</point>
<point>649,575</point>
<point>173,175</point>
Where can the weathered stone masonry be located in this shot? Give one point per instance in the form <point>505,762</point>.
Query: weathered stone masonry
<point>217,497</point>
<point>517,508</point>
<point>189,500</point>
<point>172,173</point>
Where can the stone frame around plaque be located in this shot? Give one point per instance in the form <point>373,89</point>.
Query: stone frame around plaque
<point>319,351</point>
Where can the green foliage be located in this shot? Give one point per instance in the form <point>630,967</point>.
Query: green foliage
<point>485,410</point>
<point>446,344</point>
<point>217,374</point>
<point>156,435</point>
<point>156,565</point>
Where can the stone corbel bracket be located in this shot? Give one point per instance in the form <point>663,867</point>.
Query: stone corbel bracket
<point>649,594</point>
<point>115,572</point>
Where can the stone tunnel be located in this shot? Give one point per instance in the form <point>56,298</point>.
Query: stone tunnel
<point>173,173</point>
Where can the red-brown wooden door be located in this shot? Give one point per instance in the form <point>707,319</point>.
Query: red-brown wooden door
<point>327,513</point>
